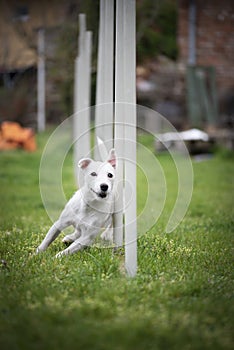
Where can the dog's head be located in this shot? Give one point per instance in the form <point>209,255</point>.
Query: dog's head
<point>99,176</point>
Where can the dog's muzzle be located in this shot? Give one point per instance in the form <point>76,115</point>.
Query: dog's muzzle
<point>103,191</point>
<point>102,195</point>
<point>104,187</point>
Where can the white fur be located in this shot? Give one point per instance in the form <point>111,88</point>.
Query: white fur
<point>89,210</point>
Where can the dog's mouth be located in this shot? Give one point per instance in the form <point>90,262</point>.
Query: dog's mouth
<point>100,194</point>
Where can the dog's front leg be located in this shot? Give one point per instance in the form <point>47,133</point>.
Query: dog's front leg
<point>79,244</point>
<point>107,234</point>
<point>72,237</point>
<point>52,234</point>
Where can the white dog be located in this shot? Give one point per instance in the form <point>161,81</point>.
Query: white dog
<point>89,210</point>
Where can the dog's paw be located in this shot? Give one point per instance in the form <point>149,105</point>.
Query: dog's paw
<point>107,235</point>
<point>62,253</point>
<point>59,255</point>
<point>67,239</point>
<point>38,250</point>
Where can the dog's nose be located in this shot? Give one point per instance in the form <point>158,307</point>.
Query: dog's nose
<point>104,187</point>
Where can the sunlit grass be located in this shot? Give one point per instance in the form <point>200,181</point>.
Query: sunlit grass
<point>181,298</point>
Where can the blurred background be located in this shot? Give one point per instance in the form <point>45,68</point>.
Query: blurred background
<point>185,55</point>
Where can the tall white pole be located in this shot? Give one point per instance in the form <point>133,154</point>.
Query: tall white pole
<point>119,124</point>
<point>41,118</point>
<point>104,92</point>
<point>129,25</point>
<point>124,116</point>
<point>87,83</point>
<point>100,75</point>
<point>125,131</point>
<point>81,127</point>
<point>109,72</point>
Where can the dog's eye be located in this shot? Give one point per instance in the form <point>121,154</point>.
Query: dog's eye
<point>93,173</point>
<point>110,175</point>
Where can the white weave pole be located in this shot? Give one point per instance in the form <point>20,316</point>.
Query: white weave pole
<point>130,137</point>
<point>81,127</point>
<point>119,124</point>
<point>104,89</point>
<point>125,128</point>
<point>125,112</point>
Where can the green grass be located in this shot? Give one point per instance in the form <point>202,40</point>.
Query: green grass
<point>181,298</point>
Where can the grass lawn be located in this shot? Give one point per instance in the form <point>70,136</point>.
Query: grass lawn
<point>181,298</point>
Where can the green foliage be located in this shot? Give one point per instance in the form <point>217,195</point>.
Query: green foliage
<point>181,298</point>
<point>156,29</point>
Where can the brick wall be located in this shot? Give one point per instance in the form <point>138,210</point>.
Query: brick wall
<point>214,38</point>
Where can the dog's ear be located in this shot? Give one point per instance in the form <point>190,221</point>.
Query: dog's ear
<point>112,158</point>
<point>83,163</point>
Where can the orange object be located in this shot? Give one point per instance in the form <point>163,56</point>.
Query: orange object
<point>30,144</point>
<point>14,136</point>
